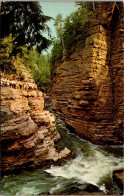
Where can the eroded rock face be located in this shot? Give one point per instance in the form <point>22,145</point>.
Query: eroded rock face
<point>88,85</point>
<point>28,131</point>
<point>89,190</point>
<point>118,177</point>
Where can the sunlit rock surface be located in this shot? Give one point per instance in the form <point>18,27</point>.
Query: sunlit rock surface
<point>88,84</point>
<point>28,131</point>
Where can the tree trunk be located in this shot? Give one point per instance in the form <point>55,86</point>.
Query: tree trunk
<point>93,5</point>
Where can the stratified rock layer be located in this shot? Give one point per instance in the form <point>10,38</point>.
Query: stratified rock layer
<point>28,131</point>
<point>88,85</point>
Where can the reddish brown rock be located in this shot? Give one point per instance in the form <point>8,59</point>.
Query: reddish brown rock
<point>28,131</point>
<point>90,190</point>
<point>88,85</point>
<point>118,177</point>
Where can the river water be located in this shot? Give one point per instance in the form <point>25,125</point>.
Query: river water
<point>93,164</point>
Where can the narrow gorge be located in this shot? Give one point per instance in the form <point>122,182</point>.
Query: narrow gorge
<point>62,126</point>
<point>88,84</point>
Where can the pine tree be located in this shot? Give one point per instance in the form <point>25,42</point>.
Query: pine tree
<point>26,22</point>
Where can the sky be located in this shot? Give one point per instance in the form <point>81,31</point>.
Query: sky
<point>53,9</point>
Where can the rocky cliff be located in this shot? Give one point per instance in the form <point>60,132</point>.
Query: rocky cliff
<point>88,84</point>
<point>28,131</point>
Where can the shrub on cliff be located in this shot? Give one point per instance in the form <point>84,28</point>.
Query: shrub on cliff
<point>71,30</point>
<point>38,66</point>
<point>75,27</point>
<point>56,52</point>
<point>5,51</point>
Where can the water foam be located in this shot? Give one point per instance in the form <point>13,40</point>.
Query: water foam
<point>93,164</point>
<point>88,169</point>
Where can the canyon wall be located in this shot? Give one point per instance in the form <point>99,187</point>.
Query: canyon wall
<point>28,131</point>
<point>88,84</point>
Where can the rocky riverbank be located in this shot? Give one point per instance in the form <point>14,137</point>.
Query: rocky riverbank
<point>90,190</point>
<point>28,131</point>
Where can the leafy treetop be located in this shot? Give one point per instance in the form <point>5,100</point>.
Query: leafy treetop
<point>26,22</point>
<point>71,30</point>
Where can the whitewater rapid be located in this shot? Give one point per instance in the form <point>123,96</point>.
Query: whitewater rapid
<point>93,164</point>
<point>90,169</point>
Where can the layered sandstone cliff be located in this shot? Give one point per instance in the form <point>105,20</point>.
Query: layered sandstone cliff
<point>88,85</point>
<point>28,131</point>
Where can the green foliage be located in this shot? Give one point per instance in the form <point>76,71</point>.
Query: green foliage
<point>87,5</point>
<point>38,66</point>
<point>58,23</point>
<point>5,50</point>
<point>57,52</point>
<point>71,31</point>
<point>75,27</point>
<point>26,22</point>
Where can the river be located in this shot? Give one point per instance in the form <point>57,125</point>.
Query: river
<point>93,164</point>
